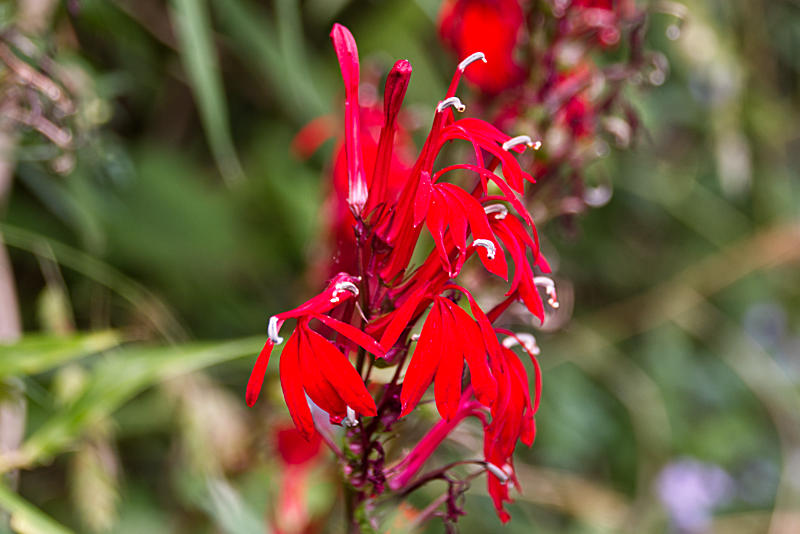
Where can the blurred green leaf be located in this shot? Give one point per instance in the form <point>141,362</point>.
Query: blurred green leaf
<point>193,27</point>
<point>230,512</point>
<point>120,377</point>
<point>38,353</point>
<point>26,518</point>
<point>136,294</point>
<point>277,53</point>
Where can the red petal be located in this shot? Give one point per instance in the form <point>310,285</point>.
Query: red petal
<point>317,386</point>
<point>291,383</point>
<point>447,388</point>
<point>401,318</point>
<point>424,362</point>
<point>422,198</point>
<point>347,53</point>
<point>474,351</point>
<point>339,372</point>
<point>436,223</point>
<point>352,333</point>
<point>257,375</point>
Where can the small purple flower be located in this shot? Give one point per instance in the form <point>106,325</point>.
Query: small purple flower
<point>690,490</point>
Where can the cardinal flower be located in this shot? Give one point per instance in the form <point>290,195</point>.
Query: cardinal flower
<point>311,364</point>
<point>470,208</point>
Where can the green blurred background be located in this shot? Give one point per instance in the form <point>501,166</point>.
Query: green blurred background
<point>148,249</point>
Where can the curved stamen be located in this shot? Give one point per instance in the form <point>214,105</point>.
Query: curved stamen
<point>472,58</point>
<point>272,331</point>
<point>491,250</point>
<point>521,140</point>
<point>524,339</point>
<point>496,471</point>
<point>500,211</point>
<point>452,101</point>
<point>550,288</point>
<point>341,287</point>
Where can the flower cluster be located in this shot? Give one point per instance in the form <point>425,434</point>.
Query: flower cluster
<point>560,67</point>
<point>396,209</point>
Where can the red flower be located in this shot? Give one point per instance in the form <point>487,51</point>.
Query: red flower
<point>512,419</point>
<point>492,27</point>
<point>310,364</point>
<point>389,205</point>
<point>449,338</point>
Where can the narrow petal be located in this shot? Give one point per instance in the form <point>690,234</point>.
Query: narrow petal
<point>474,350</point>
<point>402,316</point>
<point>395,91</point>
<point>436,222</point>
<point>353,334</point>
<point>447,387</point>
<point>347,53</point>
<point>257,375</point>
<point>424,362</point>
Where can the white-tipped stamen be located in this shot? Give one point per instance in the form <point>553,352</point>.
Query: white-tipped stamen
<point>452,101</point>
<point>518,140</point>
<point>527,341</point>
<point>272,331</point>
<point>340,288</point>
<point>350,421</point>
<point>414,337</point>
<point>549,287</point>
<point>472,58</point>
<point>500,211</point>
<point>491,250</point>
<point>537,145</point>
<point>496,471</point>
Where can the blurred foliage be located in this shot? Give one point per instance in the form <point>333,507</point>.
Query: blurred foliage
<point>176,213</point>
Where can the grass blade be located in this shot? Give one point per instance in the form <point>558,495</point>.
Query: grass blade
<point>193,28</point>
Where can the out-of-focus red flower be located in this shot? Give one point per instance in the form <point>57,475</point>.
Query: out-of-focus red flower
<point>298,454</point>
<point>601,18</point>
<point>294,449</point>
<point>489,26</point>
<point>576,111</point>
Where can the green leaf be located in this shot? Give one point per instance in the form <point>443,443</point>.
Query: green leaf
<point>276,53</point>
<point>39,353</point>
<point>193,28</point>
<point>26,518</point>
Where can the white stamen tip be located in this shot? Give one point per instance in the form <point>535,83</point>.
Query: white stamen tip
<point>527,341</point>
<point>521,140</point>
<point>452,101</point>
<point>272,331</point>
<point>500,211</point>
<point>350,421</point>
<point>414,337</point>
<point>340,288</point>
<point>472,58</point>
<point>549,287</point>
<point>491,250</point>
<point>496,471</point>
